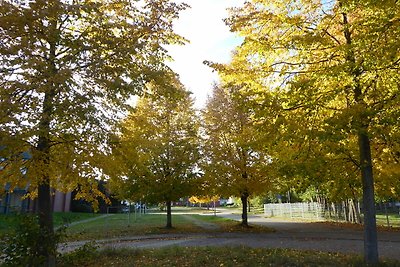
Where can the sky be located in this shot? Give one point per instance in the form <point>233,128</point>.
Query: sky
<point>210,39</point>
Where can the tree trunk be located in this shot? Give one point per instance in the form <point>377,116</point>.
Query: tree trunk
<point>352,211</point>
<point>370,234</point>
<point>334,211</point>
<point>361,123</point>
<point>357,217</point>
<point>359,212</point>
<point>169,215</point>
<point>243,198</point>
<point>387,216</point>
<point>47,244</point>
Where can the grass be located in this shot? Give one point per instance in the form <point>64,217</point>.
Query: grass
<point>194,210</point>
<point>381,222</point>
<point>120,225</point>
<point>61,218</point>
<point>213,256</point>
<point>394,219</point>
<point>189,209</point>
<point>7,222</point>
<point>211,218</point>
<point>117,225</point>
<point>228,225</point>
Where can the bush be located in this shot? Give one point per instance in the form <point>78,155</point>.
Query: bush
<point>21,246</point>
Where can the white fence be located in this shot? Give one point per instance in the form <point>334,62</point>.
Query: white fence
<point>313,210</point>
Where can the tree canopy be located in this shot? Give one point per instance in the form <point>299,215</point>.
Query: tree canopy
<point>309,102</point>
<point>159,148</point>
<point>236,164</point>
<point>66,71</point>
<point>332,66</point>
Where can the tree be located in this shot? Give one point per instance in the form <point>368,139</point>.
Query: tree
<point>67,69</point>
<point>159,146</point>
<point>203,200</point>
<point>334,64</point>
<point>235,162</point>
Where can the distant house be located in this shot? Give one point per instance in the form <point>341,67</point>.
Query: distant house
<point>12,202</point>
<point>16,201</point>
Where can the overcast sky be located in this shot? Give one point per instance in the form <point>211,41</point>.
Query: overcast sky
<point>210,39</point>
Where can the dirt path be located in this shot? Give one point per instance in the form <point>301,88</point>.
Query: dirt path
<point>86,220</point>
<point>90,219</point>
<point>201,224</point>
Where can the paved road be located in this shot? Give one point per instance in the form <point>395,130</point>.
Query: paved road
<point>288,234</point>
<point>318,236</point>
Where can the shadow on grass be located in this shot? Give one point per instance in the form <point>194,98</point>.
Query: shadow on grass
<point>241,228</point>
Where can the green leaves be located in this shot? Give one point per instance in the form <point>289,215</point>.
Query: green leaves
<point>159,146</point>
<point>235,160</point>
<point>327,66</point>
<point>87,59</point>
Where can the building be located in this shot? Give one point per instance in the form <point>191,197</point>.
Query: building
<point>16,201</point>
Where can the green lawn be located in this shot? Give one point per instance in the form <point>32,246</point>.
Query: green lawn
<point>61,218</point>
<point>7,222</point>
<point>211,218</point>
<point>394,219</point>
<point>191,210</point>
<point>228,225</point>
<point>211,256</point>
<point>119,225</point>
<point>116,225</point>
